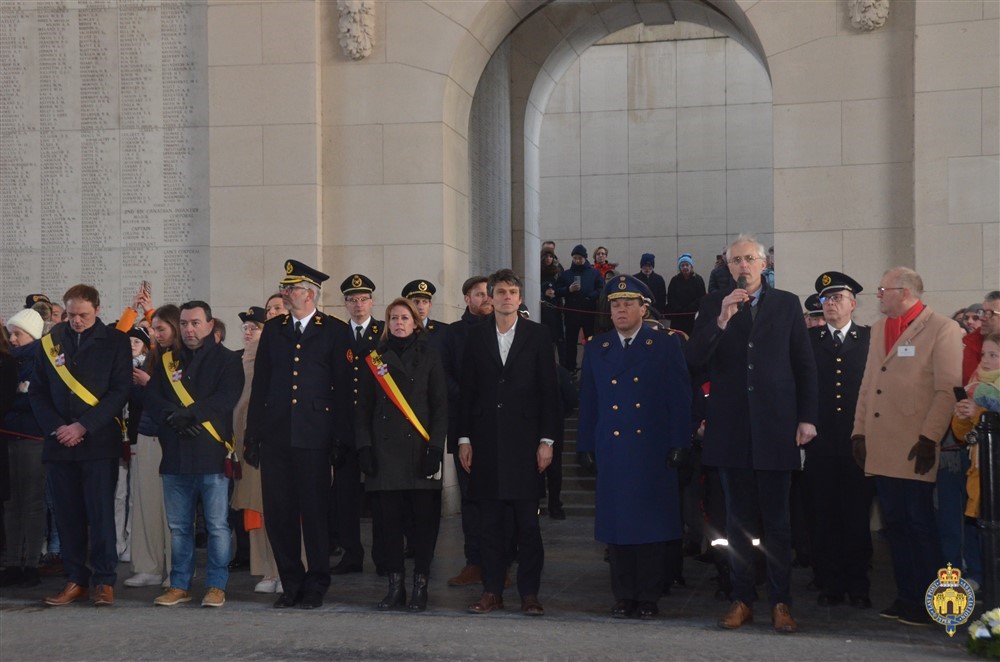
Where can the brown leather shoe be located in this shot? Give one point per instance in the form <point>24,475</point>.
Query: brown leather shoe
<point>531,606</point>
<point>487,602</point>
<point>71,593</point>
<point>470,574</point>
<point>103,595</point>
<point>738,614</point>
<point>781,618</point>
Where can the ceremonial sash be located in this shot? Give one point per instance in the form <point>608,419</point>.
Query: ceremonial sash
<point>58,361</point>
<point>388,384</point>
<point>174,375</point>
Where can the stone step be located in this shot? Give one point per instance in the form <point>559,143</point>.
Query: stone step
<point>588,483</point>
<point>577,497</point>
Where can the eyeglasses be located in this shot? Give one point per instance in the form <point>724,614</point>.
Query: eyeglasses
<point>749,259</point>
<point>883,290</point>
<point>835,298</point>
<point>250,326</point>
<point>986,313</point>
<point>289,288</point>
<point>357,299</point>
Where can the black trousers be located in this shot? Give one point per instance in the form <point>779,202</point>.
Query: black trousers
<point>576,322</point>
<point>83,499</point>
<point>295,484</point>
<point>637,571</point>
<point>390,512</point>
<point>496,544</point>
<point>841,524</point>
<point>471,518</point>
<point>347,495</point>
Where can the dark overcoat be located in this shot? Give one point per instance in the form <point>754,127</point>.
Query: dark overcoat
<point>397,446</point>
<point>635,406</point>
<point>840,372</point>
<point>103,364</point>
<point>508,408</point>
<point>302,387</point>
<point>763,381</point>
<point>359,350</point>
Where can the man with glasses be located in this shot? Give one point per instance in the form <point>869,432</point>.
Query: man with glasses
<point>840,495</point>
<point>988,316</point>
<point>300,411</point>
<point>904,408</point>
<point>763,407</point>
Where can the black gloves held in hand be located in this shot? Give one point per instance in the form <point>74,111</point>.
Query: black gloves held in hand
<point>678,458</point>
<point>432,461</point>
<point>340,454</point>
<point>858,450</point>
<point>366,460</point>
<point>180,420</point>
<point>924,452</point>
<point>251,452</point>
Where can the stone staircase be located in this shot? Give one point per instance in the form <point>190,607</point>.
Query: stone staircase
<point>579,485</point>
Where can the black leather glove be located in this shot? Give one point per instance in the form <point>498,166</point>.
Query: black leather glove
<point>251,452</point>
<point>340,455</point>
<point>181,419</point>
<point>366,460</point>
<point>678,458</point>
<point>858,450</point>
<point>432,461</point>
<point>191,431</point>
<point>925,453</point>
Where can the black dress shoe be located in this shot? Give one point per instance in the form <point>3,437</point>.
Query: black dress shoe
<point>239,564</point>
<point>825,600</point>
<point>623,609</point>
<point>336,550</point>
<point>861,601</point>
<point>647,610</point>
<point>343,568</point>
<point>285,600</point>
<point>557,513</point>
<point>311,601</point>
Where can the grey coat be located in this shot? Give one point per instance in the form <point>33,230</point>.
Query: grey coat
<point>397,446</point>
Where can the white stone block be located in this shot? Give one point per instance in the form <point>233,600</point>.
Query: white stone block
<point>566,96</point>
<point>352,155</point>
<point>807,135</point>
<point>869,253</point>
<point>290,155</point>
<point>290,93</point>
<point>973,194</point>
<point>390,94</point>
<point>393,213</point>
<point>234,34</point>
<point>237,155</point>
<point>604,143</point>
<point>947,124</point>
<point>991,119</point>
<point>746,78</point>
<point>560,148</point>
<point>237,278</point>
<point>652,75</point>
<point>560,207</point>
<point>877,130</point>
<point>412,153</point>
<point>956,56</point>
<point>652,204</point>
<point>407,44</point>
<point>456,161</point>
<point>235,95</point>
<point>604,205</point>
<point>991,10</point>
<point>991,256</point>
<point>801,256</point>
<point>604,78</point>
<point>748,136</point>
<point>784,25</point>
<point>703,249</point>
<point>342,261</point>
<point>701,203</point>
<point>932,12</point>
<point>749,200</point>
<point>457,106</point>
<point>935,241</point>
<point>701,138</point>
<point>652,140</point>
<point>249,215</point>
<point>291,32</point>
<point>701,72</point>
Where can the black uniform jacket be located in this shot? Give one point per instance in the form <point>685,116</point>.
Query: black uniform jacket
<point>763,381</point>
<point>840,373</point>
<point>103,364</point>
<point>213,377</point>
<point>507,408</point>
<point>359,350</point>
<point>302,387</point>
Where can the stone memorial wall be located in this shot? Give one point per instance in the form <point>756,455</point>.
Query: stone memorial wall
<point>103,150</point>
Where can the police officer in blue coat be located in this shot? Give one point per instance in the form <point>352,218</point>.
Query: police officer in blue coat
<point>635,416</point>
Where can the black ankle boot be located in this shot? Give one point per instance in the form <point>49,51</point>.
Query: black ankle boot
<point>11,576</point>
<point>418,598</point>
<point>396,597</point>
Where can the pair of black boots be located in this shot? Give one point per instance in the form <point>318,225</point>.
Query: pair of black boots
<point>396,597</point>
<point>22,577</point>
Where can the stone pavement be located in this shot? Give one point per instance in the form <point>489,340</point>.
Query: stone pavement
<point>575,592</point>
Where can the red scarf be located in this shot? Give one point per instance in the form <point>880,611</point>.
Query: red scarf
<point>894,326</point>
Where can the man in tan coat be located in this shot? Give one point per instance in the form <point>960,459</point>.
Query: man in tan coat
<point>904,407</point>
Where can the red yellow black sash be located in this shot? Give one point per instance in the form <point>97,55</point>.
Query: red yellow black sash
<point>388,384</point>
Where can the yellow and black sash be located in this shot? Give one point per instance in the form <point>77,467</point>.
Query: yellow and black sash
<point>175,374</point>
<point>388,384</point>
<point>58,361</point>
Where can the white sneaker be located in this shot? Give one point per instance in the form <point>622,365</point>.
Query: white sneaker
<point>144,579</point>
<point>267,585</point>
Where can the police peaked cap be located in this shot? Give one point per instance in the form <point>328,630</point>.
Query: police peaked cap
<point>356,283</point>
<point>254,314</point>
<point>296,272</point>
<point>834,281</point>
<point>419,288</point>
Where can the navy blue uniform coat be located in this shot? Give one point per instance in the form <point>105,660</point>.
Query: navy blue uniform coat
<point>635,405</point>
<point>840,375</point>
<point>763,381</point>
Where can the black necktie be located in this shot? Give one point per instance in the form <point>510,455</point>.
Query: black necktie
<point>836,339</point>
<point>298,329</point>
<point>628,341</point>
<point>358,333</point>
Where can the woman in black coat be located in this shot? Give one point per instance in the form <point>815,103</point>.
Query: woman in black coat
<point>401,458</point>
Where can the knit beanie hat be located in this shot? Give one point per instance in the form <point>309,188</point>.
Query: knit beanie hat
<point>648,258</point>
<point>29,321</point>
<point>579,249</point>
<point>685,258</point>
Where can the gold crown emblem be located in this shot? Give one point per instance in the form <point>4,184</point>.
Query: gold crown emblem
<point>622,285</point>
<point>422,286</point>
<point>826,280</point>
<point>356,281</point>
<point>288,267</point>
<point>37,297</point>
<point>949,576</point>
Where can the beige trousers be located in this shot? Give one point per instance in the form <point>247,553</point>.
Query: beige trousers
<point>150,533</point>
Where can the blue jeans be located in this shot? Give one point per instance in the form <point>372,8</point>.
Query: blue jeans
<point>180,497</point>
<point>908,516</point>
<point>959,535</point>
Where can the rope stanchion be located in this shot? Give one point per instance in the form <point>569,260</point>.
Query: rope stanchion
<point>20,435</point>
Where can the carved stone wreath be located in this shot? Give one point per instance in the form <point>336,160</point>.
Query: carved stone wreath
<point>356,27</point>
<point>868,15</point>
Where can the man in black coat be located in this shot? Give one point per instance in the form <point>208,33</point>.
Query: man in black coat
<point>300,411</point>
<point>579,286</point>
<point>83,374</point>
<point>507,430</point>
<point>753,342</point>
<point>654,281</point>
<point>192,396</point>
<point>841,495</point>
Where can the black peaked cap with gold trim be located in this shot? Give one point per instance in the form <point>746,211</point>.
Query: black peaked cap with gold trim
<point>814,307</point>
<point>296,272</point>
<point>357,283</point>
<point>834,281</point>
<point>254,314</point>
<point>627,287</point>
<point>419,288</point>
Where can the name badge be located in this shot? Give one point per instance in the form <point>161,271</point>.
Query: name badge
<point>906,350</point>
